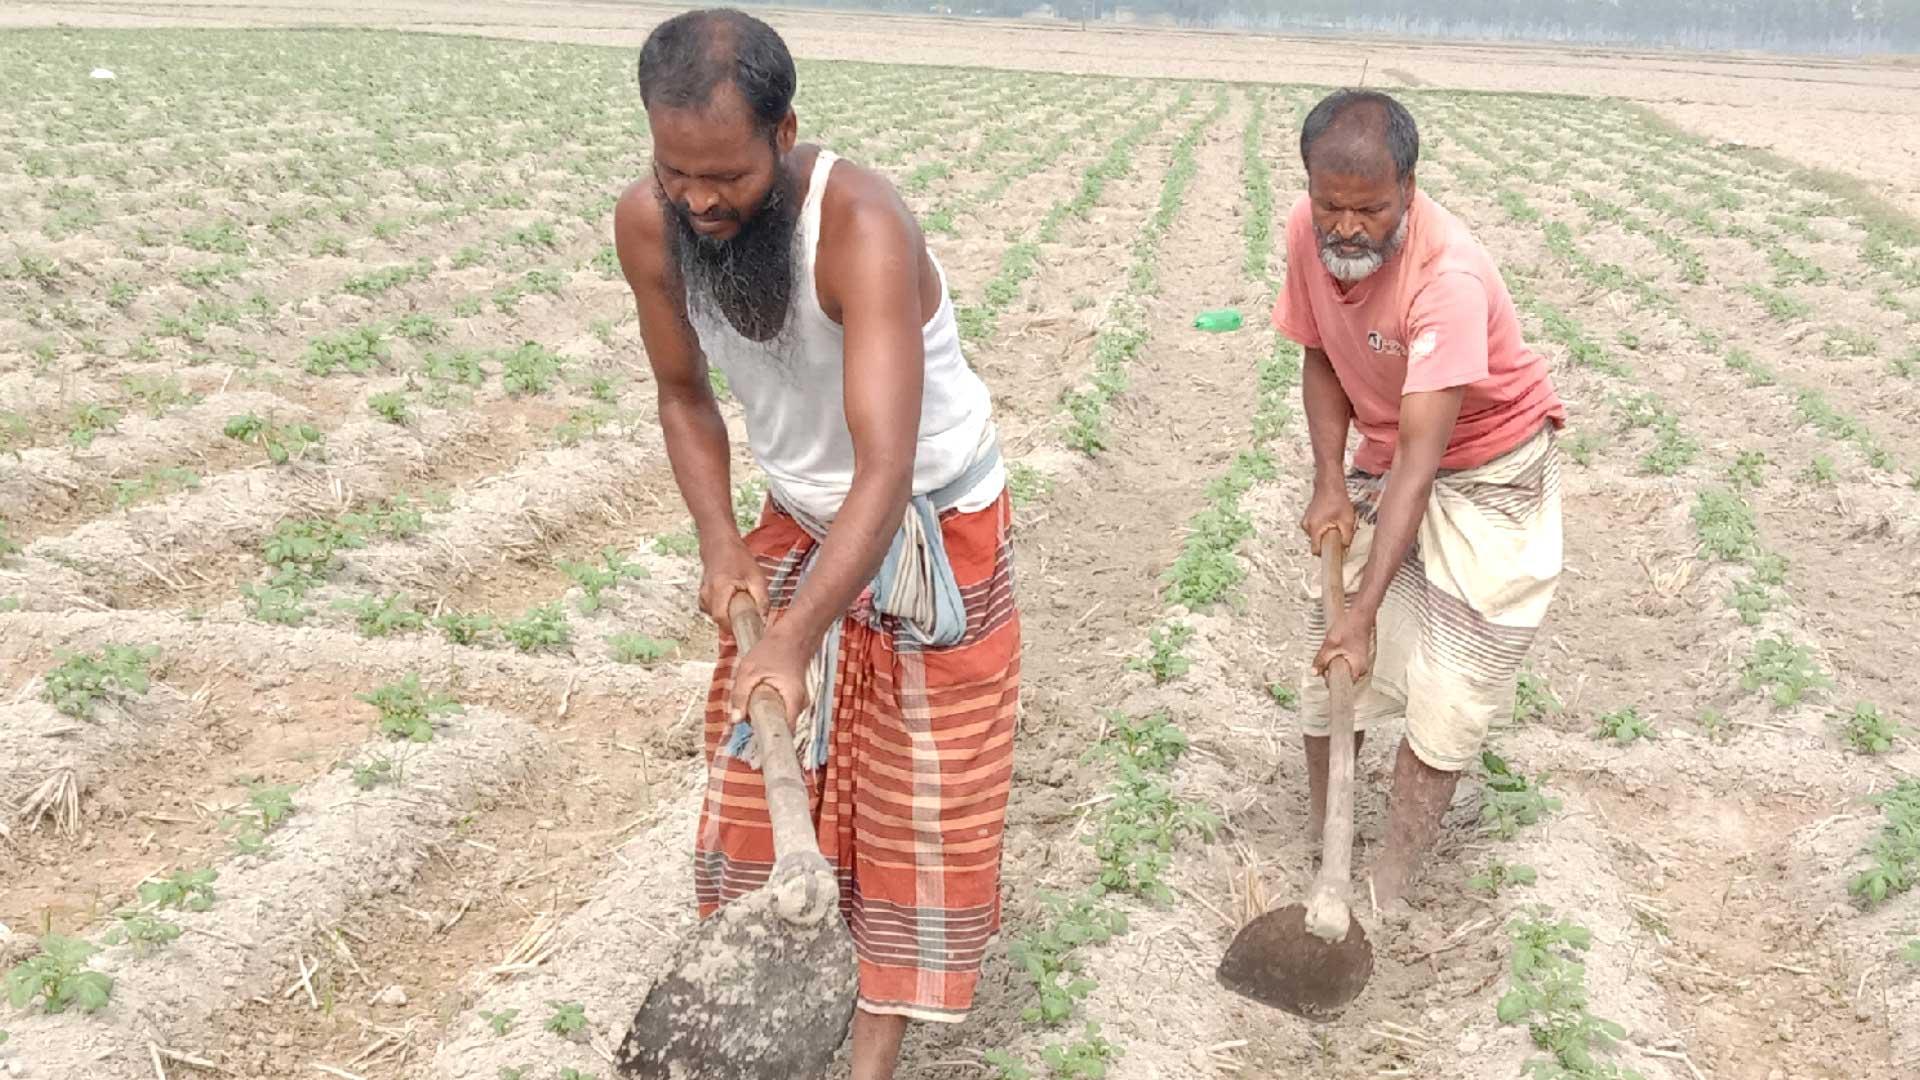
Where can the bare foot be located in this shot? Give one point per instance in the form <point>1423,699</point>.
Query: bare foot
<point>1387,886</point>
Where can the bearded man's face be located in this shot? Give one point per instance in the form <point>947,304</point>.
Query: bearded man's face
<point>1360,221</point>
<point>732,211</point>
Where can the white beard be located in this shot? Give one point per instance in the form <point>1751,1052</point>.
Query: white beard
<point>1348,269</point>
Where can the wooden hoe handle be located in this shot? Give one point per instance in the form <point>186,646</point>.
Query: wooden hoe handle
<point>1327,913</point>
<point>788,806</point>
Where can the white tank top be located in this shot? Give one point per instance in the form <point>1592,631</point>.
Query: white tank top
<point>793,392</point>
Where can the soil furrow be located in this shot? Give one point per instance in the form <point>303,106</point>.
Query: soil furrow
<point>338,846</point>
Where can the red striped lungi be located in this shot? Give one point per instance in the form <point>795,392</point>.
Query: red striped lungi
<point>912,800</point>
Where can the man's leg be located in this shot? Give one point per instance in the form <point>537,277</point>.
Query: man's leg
<point>1421,795</point>
<point>927,739</point>
<point>1490,556</point>
<point>876,1044</point>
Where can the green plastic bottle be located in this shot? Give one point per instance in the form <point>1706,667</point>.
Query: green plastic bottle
<point>1219,320</point>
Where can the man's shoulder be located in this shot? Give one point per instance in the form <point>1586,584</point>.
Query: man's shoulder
<point>1451,249</point>
<point>861,212</point>
<point>640,236</point>
<point>638,215</point>
<point>855,191</point>
<point>1450,240</point>
<point>1300,216</point>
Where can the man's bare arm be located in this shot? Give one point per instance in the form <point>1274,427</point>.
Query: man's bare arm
<point>1329,414</point>
<point>1426,426</point>
<point>696,434</point>
<point>872,276</point>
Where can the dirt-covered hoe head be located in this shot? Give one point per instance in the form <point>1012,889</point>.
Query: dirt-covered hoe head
<point>764,989</point>
<point>753,994</point>
<point>1313,959</point>
<point>1276,961</point>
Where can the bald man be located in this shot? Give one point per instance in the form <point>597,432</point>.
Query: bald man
<point>1450,510</point>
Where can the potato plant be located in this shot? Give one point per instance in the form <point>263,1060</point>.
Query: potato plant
<point>408,712</point>
<point>58,979</point>
<point>80,682</point>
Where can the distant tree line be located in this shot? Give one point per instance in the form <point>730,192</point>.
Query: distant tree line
<point>1842,26</point>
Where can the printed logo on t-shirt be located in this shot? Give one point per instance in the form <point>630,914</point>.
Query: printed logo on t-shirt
<point>1380,343</point>
<point>1424,345</point>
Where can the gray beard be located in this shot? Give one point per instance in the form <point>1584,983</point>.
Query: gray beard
<point>748,279</point>
<point>1349,269</point>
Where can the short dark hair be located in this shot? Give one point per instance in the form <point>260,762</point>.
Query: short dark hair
<point>687,57</point>
<point>1388,118</point>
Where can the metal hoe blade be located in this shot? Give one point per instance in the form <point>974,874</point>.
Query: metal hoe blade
<point>750,996</point>
<point>1277,961</point>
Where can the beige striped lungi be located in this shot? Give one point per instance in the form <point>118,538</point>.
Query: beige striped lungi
<point>1463,608</point>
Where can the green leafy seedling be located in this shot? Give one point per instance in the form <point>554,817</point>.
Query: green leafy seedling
<point>1047,956</point>
<point>277,604</point>
<point>1533,699</point>
<point>530,369</point>
<point>1026,483</point>
<point>634,648</point>
<point>678,544</point>
<point>1749,469</point>
<point>568,1018</point>
<point>359,350</point>
<point>1084,1059</point>
<point>748,497</point>
<point>1895,868</point>
<point>144,931</point>
<point>1582,446</point>
<point>419,326</point>
<point>1725,524</point>
<point>1284,696</point>
<point>1623,726</point>
<point>1751,599</point>
<point>407,711</point>
<point>398,517</point>
<point>1785,669</point>
<point>1819,472</point>
<point>543,627</point>
<point>1008,1067</point>
<point>382,616</point>
<point>595,579</point>
<point>1497,875</point>
<point>58,978</point>
<point>1867,731</point>
<point>379,768</point>
<point>391,406</point>
<point>82,681</point>
<point>501,1022</point>
<point>87,421</point>
<point>1164,659</point>
<point>463,628</point>
<point>267,806</point>
<point>1510,801</point>
<point>1151,742</point>
<point>185,890</point>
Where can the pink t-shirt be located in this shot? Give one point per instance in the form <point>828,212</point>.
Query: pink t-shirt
<point>1436,316</point>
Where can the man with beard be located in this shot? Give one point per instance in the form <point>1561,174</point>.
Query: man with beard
<point>882,553</point>
<point>1451,509</point>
